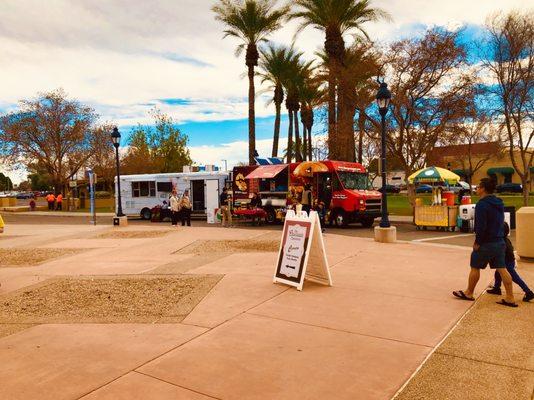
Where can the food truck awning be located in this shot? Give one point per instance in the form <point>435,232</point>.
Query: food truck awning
<point>266,171</point>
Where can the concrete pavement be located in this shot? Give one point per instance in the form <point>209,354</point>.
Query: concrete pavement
<point>363,338</point>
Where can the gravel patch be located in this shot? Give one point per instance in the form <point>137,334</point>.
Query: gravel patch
<point>15,257</point>
<point>131,234</point>
<point>230,246</point>
<point>139,299</point>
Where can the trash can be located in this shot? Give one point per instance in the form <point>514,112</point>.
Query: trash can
<point>511,210</point>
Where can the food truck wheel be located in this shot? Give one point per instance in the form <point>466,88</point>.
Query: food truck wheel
<point>368,222</point>
<point>340,219</point>
<point>271,216</point>
<point>146,214</point>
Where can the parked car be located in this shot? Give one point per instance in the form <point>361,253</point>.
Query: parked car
<point>457,187</point>
<point>25,195</point>
<point>509,188</point>
<point>423,189</point>
<point>390,189</point>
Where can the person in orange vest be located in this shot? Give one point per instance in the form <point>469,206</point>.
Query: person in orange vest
<point>51,199</point>
<point>1,224</point>
<point>59,202</point>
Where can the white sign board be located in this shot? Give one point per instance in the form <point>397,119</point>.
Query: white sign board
<point>302,253</point>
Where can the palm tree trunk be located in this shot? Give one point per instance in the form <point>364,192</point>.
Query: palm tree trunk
<point>276,136</point>
<point>251,116</point>
<point>361,131</point>
<point>289,152</point>
<point>310,148</point>
<point>304,139</point>
<point>332,123</point>
<point>298,144</point>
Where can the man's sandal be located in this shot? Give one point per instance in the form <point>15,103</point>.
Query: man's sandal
<point>507,304</point>
<point>461,295</point>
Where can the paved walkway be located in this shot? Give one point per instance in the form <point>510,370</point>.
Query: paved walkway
<point>363,338</point>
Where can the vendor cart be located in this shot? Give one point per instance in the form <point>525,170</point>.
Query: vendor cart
<point>441,213</point>
<point>442,217</point>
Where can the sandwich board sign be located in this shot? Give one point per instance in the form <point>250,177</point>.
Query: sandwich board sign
<point>302,253</point>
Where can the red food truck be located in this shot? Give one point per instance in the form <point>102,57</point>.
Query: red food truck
<point>342,186</point>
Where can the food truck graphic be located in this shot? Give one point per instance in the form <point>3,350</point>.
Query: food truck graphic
<point>342,186</point>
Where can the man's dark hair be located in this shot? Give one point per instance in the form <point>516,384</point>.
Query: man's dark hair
<point>224,189</point>
<point>488,185</point>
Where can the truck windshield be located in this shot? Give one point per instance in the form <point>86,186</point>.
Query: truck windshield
<point>353,180</point>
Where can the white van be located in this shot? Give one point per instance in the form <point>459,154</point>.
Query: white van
<point>140,193</point>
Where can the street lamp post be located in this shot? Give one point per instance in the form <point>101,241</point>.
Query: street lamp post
<point>383,98</point>
<point>116,138</point>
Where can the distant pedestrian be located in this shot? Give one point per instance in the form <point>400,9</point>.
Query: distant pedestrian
<point>59,202</point>
<point>175,208</point>
<point>510,266</point>
<point>51,200</point>
<point>2,224</point>
<point>226,212</point>
<point>489,247</point>
<point>32,205</point>
<point>306,200</point>
<point>185,209</point>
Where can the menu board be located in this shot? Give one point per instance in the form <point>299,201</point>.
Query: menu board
<point>302,253</point>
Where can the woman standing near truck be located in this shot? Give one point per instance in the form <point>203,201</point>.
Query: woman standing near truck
<point>185,208</point>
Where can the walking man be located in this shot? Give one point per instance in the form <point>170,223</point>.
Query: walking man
<point>306,199</point>
<point>226,213</point>
<point>59,202</point>
<point>489,247</point>
<point>175,208</point>
<point>50,199</point>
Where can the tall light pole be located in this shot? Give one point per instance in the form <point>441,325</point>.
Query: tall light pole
<point>116,138</point>
<point>383,97</point>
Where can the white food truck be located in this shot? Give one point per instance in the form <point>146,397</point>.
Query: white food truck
<point>140,193</point>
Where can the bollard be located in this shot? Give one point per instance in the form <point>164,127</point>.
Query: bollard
<point>524,233</point>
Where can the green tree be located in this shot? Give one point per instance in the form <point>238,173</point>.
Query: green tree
<point>5,183</point>
<point>337,18</point>
<point>158,148</point>
<point>275,68</point>
<point>250,21</point>
<point>52,131</point>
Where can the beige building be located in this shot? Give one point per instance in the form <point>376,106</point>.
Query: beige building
<point>488,160</point>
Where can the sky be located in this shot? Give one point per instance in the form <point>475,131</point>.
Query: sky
<point>124,57</point>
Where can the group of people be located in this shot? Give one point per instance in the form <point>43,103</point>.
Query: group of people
<point>180,208</point>
<point>54,202</point>
<point>492,246</point>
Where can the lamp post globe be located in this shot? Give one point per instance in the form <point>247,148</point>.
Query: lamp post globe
<point>383,98</point>
<point>116,139</point>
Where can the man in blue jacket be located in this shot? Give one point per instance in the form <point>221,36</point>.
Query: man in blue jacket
<point>489,247</point>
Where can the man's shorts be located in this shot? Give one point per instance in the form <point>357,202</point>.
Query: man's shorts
<point>489,253</point>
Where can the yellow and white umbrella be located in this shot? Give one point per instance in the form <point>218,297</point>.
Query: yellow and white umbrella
<point>308,168</point>
<point>434,175</point>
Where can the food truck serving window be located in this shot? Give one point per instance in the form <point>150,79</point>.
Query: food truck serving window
<point>354,180</point>
<point>144,189</point>
<point>165,187</point>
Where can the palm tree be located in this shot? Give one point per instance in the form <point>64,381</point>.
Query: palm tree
<point>250,21</point>
<point>276,64</point>
<point>311,96</point>
<point>337,18</point>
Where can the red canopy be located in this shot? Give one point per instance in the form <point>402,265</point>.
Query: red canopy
<point>266,171</point>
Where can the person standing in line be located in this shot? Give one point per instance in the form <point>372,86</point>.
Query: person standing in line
<point>51,199</point>
<point>306,199</point>
<point>226,213</point>
<point>489,247</point>
<point>175,208</point>
<point>59,202</point>
<point>510,266</point>
<point>185,208</point>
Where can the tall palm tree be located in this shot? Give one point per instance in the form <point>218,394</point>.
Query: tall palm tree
<point>299,72</point>
<point>276,63</point>
<point>337,18</point>
<point>311,96</point>
<point>250,21</point>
